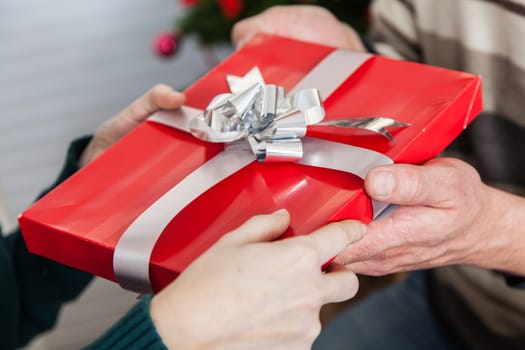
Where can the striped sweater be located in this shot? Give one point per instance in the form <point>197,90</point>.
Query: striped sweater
<point>485,37</point>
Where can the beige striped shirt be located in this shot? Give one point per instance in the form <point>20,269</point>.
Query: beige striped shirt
<point>485,37</point>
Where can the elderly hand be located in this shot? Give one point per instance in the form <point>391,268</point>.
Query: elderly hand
<point>447,216</point>
<point>247,292</point>
<point>159,97</point>
<point>302,22</point>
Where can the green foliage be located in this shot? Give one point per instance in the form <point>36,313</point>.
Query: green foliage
<point>207,22</point>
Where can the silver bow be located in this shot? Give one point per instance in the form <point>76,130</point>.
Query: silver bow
<point>271,121</point>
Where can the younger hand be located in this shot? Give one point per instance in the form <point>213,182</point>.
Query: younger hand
<point>247,292</point>
<point>159,97</point>
<point>303,22</point>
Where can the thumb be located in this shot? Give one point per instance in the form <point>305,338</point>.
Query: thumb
<point>406,184</point>
<point>260,228</point>
<point>159,97</point>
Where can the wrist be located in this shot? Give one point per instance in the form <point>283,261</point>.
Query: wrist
<point>502,246</point>
<point>169,323</point>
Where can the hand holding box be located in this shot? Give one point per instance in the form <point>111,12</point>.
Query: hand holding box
<point>81,222</point>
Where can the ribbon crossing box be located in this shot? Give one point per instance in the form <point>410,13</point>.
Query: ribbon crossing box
<point>302,139</point>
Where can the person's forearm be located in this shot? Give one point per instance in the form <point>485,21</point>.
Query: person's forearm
<point>504,249</point>
<point>55,283</point>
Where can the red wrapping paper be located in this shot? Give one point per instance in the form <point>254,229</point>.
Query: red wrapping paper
<point>80,222</point>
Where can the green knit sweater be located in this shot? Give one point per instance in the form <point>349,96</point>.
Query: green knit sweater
<point>33,289</point>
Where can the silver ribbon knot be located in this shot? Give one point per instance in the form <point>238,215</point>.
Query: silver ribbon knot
<point>271,121</point>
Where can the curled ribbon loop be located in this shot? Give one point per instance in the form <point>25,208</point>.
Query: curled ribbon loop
<point>272,122</point>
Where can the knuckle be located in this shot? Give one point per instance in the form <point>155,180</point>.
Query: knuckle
<point>225,240</point>
<point>343,231</point>
<point>412,184</point>
<point>159,88</point>
<point>257,220</point>
<point>137,108</point>
<point>461,180</point>
<point>309,251</point>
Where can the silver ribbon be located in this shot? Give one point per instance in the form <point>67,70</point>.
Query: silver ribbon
<point>133,251</point>
<point>271,121</point>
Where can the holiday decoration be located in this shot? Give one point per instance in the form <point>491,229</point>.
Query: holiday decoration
<point>211,21</point>
<point>231,9</point>
<point>166,44</point>
<point>187,3</point>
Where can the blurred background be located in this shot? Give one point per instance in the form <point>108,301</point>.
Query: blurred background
<point>67,66</point>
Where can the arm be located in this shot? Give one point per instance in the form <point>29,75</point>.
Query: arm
<point>447,216</point>
<point>246,292</point>
<point>27,312</point>
<point>34,287</point>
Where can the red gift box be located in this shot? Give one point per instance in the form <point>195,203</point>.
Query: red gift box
<point>80,222</point>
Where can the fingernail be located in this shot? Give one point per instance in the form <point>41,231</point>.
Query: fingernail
<point>280,212</point>
<point>383,183</point>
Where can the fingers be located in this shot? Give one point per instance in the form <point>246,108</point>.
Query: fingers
<point>433,184</point>
<point>159,97</point>
<point>299,22</point>
<point>274,20</point>
<point>339,284</point>
<point>333,238</point>
<point>286,20</point>
<point>163,97</point>
<point>260,228</point>
<point>246,29</point>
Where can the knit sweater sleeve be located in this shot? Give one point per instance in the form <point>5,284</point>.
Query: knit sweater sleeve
<point>34,288</point>
<point>133,332</point>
